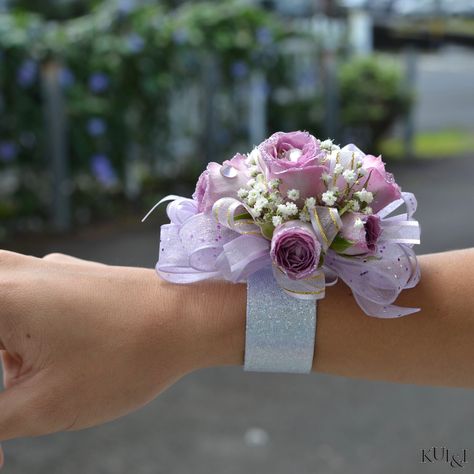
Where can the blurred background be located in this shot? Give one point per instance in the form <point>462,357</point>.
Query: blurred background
<point>106,106</point>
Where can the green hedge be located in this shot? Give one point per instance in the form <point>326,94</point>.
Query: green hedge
<point>119,69</point>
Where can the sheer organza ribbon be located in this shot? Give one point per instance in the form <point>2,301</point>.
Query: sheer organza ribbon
<point>226,244</point>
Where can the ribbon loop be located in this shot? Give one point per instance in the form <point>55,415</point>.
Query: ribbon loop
<point>225,212</point>
<point>227,243</point>
<point>310,288</point>
<point>326,224</point>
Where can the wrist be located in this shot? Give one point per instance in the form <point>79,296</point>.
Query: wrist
<point>217,313</point>
<point>206,321</point>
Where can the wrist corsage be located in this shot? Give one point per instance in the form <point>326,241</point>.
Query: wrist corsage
<point>295,213</point>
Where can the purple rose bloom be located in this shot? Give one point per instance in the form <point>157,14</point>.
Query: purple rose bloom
<point>213,185</point>
<point>295,158</point>
<point>362,231</point>
<point>295,249</point>
<point>381,183</point>
<point>377,180</point>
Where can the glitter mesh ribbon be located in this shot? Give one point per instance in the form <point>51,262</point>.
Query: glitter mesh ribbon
<point>280,329</point>
<point>225,244</point>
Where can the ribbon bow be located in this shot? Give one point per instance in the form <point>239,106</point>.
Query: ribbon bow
<point>225,243</point>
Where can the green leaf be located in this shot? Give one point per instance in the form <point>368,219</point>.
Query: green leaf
<point>244,215</point>
<point>339,244</point>
<point>267,230</point>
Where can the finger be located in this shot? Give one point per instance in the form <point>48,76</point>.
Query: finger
<point>68,259</point>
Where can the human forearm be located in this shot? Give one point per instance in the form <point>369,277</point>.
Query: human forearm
<point>84,343</point>
<point>434,346</point>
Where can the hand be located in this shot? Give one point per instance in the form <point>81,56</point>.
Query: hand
<point>84,343</point>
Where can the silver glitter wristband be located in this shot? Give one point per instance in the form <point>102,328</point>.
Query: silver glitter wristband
<point>280,329</point>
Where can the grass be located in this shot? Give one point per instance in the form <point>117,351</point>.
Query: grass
<point>432,145</point>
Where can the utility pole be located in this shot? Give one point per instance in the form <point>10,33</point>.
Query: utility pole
<point>56,133</point>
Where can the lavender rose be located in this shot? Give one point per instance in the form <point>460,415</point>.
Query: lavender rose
<point>295,158</point>
<point>212,185</point>
<point>380,182</point>
<point>295,249</point>
<point>362,231</point>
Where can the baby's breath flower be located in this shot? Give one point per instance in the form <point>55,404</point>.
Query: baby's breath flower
<point>242,193</point>
<point>328,145</point>
<point>292,209</point>
<point>274,183</point>
<point>350,176</point>
<point>251,182</point>
<point>288,209</point>
<point>255,154</point>
<point>310,202</point>
<point>326,177</point>
<point>329,198</point>
<point>367,210</point>
<point>338,168</point>
<point>261,202</point>
<point>256,211</point>
<point>254,171</point>
<point>259,187</point>
<point>354,205</point>
<point>274,197</point>
<point>277,220</point>
<point>252,157</point>
<point>304,216</point>
<point>252,197</point>
<point>358,224</point>
<point>365,196</point>
<point>293,194</point>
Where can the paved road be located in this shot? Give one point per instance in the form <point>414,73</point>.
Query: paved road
<point>444,90</point>
<point>226,422</point>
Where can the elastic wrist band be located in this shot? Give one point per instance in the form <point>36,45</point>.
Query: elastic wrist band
<point>280,330</point>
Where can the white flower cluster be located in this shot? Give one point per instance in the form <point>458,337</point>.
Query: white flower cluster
<point>328,145</point>
<point>261,197</point>
<point>346,170</point>
<point>267,205</point>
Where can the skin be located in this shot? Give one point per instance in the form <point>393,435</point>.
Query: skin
<point>83,343</point>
